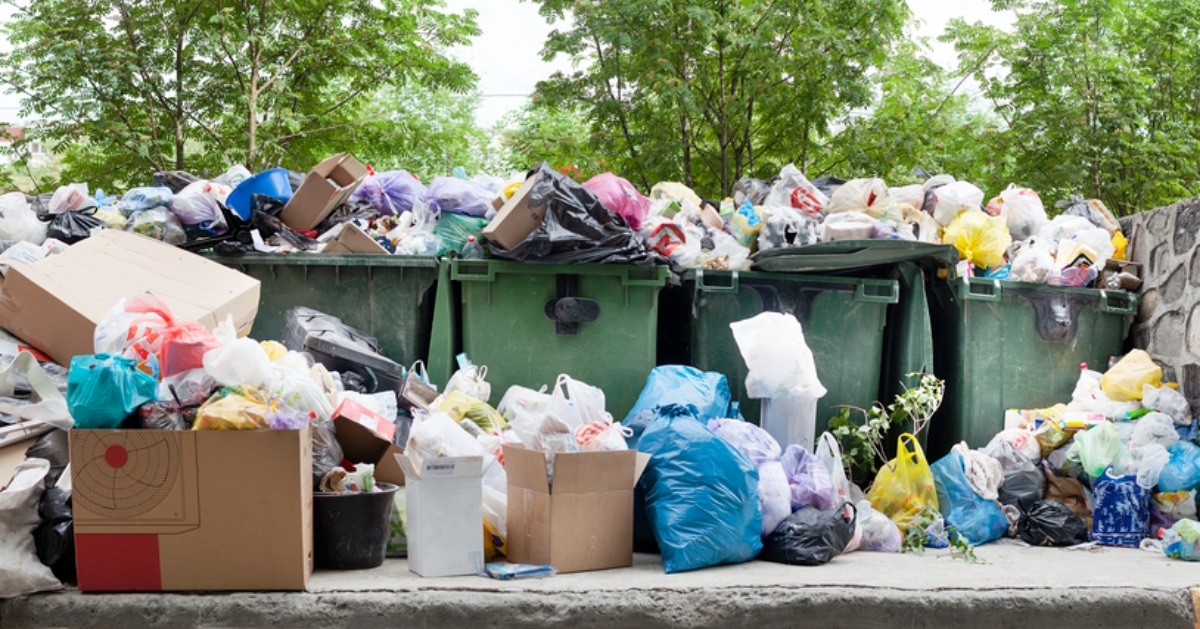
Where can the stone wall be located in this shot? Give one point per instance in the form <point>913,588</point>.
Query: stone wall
<point>1163,241</point>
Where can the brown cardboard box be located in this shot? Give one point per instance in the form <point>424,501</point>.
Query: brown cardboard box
<point>584,521</point>
<point>353,240</point>
<point>159,510</point>
<point>1112,268</point>
<point>325,187</point>
<point>362,442</point>
<point>516,219</point>
<point>55,304</point>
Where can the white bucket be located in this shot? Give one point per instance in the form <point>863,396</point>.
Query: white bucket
<point>790,420</point>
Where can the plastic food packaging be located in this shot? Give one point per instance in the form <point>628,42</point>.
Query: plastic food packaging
<point>904,486</point>
<point>103,390</point>
<point>979,238</point>
<point>810,536</point>
<point>1051,523</point>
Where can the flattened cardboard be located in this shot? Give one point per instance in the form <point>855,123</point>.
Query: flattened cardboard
<point>584,521</point>
<point>352,239</point>
<point>361,443</point>
<point>516,219</point>
<point>326,186</point>
<point>56,303</point>
<point>444,503</point>
<point>192,510</point>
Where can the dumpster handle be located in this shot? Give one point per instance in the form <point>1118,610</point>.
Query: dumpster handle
<point>472,270</point>
<point>1117,303</point>
<point>731,287</point>
<point>889,296</point>
<point>656,281</point>
<point>982,291</point>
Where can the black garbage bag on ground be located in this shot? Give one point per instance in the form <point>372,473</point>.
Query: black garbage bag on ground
<point>55,536</point>
<point>1052,523</point>
<point>810,536</point>
<point>576,229</point>
<point>1023,481</point>
<point>71,227</point>
<point>55,448</point>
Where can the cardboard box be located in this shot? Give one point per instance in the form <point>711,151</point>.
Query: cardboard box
<point>159,510</point>
<point>366,437</point>
<point>325,187</point>
<point>584,521</point>
<point>444,502</point>
<point>1113,268</point>
<point>55,304</point>
<point>352,239</point>
<point>516,219</point>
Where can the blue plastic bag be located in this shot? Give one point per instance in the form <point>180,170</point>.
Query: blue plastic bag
<point>1182,472</point>
<point>392,192</point>
<point>706,391</point>
<point>104,389</point>
<point>1122,510</point>
<point>975,518</point>
<point>701,494</point>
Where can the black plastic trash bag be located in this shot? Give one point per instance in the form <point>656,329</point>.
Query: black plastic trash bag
<point>71,227</point>
<point>1023,481</point>
<point>55,448</point>
<point>576,229</point>
<point>810,536</point>
<point>1052,523</point>
<point>55,536</point>
<point>176,180</point>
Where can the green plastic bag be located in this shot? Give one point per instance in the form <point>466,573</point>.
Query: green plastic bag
<point>104,389</point>
<point>455,228</point>
<point>1098,448</point>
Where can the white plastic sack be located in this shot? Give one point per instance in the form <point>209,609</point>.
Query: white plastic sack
<point>1150,467</point>
<point>774,496</point>
<point>1033,263</point>
<point>1022,209</point>
<point>239,362</point>
<point>1060,228</point>
<point>779,362</point>
<point>578,403</point>
<point>794,190</point>
<point>869,196</point>
<point>18,221</point>
<point>829,453</point>
<point>1150,430</point>
<point>847,226</point>
<point>984,473</point>
<point>956,197</point>
<point>1099,241</point>
<point>435,435</point>
<point>913,195</point>
<point>70,198</point>
<point>471,380</point>
<point>1169,401</point>
<point>199,204</point>
<point>21,572</point>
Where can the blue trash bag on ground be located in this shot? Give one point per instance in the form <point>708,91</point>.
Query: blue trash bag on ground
<point>1122,512</point>
<point>976,519</point>
<point>1182,472</point>
<point>103,389</point>
<point>701,494</point>
<point>706,391</point>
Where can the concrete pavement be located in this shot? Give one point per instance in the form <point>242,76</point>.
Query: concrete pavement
<point>1017,587</point>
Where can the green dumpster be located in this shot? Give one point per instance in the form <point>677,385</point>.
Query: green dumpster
<point>531,322</point>
<point>1002,345</point>
<point>843,319</point>
<point>390,297</point>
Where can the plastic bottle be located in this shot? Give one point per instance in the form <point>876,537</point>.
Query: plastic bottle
<point>473,250</point>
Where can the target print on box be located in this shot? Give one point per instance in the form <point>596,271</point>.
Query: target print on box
<point>134,478</point>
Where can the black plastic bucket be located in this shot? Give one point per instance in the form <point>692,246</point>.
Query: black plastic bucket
<point>350,531</point>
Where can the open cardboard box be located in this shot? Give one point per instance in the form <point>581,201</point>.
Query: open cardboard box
<point>326,186</point>
<point>366,437</point>
<point>516,219</point>
<point>55,304</point>
<point>584,521</point>
<point>352,239</point>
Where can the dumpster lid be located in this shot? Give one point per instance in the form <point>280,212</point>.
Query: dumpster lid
<point>844,255</point>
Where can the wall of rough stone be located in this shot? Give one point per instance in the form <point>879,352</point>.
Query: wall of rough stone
<point>1163,241</point>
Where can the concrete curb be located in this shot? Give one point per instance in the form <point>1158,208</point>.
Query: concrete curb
<point>725,608</point>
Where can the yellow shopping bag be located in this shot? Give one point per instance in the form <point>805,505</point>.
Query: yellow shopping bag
<point>904,486</point>
<point>1123,381</point>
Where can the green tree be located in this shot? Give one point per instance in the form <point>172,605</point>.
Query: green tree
<point>558,135</point>
<point>707,91</point>
<point>125,87</point>
<point>1098,97</point>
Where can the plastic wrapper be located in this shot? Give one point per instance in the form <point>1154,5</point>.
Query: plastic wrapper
<point>809,481</point>
<point>979,238</point>
<point>779,361</point>
<point>868,196</point>
<point>810,536</point>
<point>453,230</point>
<point>794,190</point>
<point>1060,228</point>
<point>158,223</point>
<point>233,408</point>
<point>510,571</point>
<point>976,519</point>
<point>1168,401</point>
<point>1125,380</point>
<point>200,204</point>
<point>392,192</point>
<point>1182,471</point>
<point>138,199</point>
<point>1051,523</point>
<point>18,221</point>
<point>620,197</point>
<point>70,198</point>
<point>750,189</point>
<point>460,196</point>
<point>1093,210</point>
<point>103,390</point>
<point>72,226</point>
<point>904,486</point>
<point>706,391</point>
<point>1122,511</point>
<point>955,198</point>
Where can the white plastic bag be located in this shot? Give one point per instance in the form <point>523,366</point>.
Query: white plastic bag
<point>726,254</point>
<point>239,362</point>
<point>1150,466</point>
<point>879,532</point>
<point>200,204</point>
<point>435,435</point>
<point>1098,240</point>
<point>794,190</point>
<point>1060,228</point>
<point>51,405</point>
<point>18,221</point>
<point>21,572</point>
<point>829,453</point>
<point>1033,263</point>
<point>774,496</point>
<point>1152,429</point>
<point>847,226</point>
<point>1169,401</point>
<point>602,437</point>
<point>471,380</point>
<point>578,403</point>
<point>913,195</point>
<point>1022,209</point>
<point>869,196</point>
<point>956,197</point>
<point>70,198</point>
<point>779,362</point>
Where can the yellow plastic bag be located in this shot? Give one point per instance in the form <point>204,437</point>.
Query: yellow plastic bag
<point>459,405</point>
<point>274,349</point>
<point>233,409</point>
<point>980,238</point>
<point>904,486</point>
<point>1123,382</point>
<point>1120,243</point>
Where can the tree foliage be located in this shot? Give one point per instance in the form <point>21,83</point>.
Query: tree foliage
<point>126,87</point>
<point>558,135</point>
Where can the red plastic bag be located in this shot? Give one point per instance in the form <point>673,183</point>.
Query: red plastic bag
<point>143,329</point>
<point>619,196</point>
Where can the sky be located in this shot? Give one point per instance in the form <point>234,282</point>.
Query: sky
<point>506,56</point>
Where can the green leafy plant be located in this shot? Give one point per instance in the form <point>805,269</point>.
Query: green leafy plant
<point>863,446</point>
<point>922,526</point>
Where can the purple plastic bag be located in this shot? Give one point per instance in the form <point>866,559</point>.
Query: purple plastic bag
<point>451,194</point>
<point>808,479</point>
<point>392,193</point>
<point>619,196</point>
<point>757,444</point>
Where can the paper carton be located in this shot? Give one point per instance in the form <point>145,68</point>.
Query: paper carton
<point>584,521</point>
<point>366,437</point>
<point>516,218</point>
<point>352,239</point>
<point>159,510</point>
<point>54,304</point>
<point>326,186</point>
<point>444,502</point>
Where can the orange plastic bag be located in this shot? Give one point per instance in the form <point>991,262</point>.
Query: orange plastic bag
<point>904,486</point>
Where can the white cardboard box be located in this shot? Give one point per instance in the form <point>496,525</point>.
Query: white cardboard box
<point>444,499</point>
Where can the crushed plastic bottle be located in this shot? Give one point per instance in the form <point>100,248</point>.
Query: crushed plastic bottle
<point>473,250</point>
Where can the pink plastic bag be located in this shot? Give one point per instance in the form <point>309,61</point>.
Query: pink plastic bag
<point>143,327</point>
<point>619,196</point>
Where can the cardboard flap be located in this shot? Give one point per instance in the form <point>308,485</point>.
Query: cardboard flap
<point>583,472</point>
<point>359,443</point>
<point>526,468</point>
